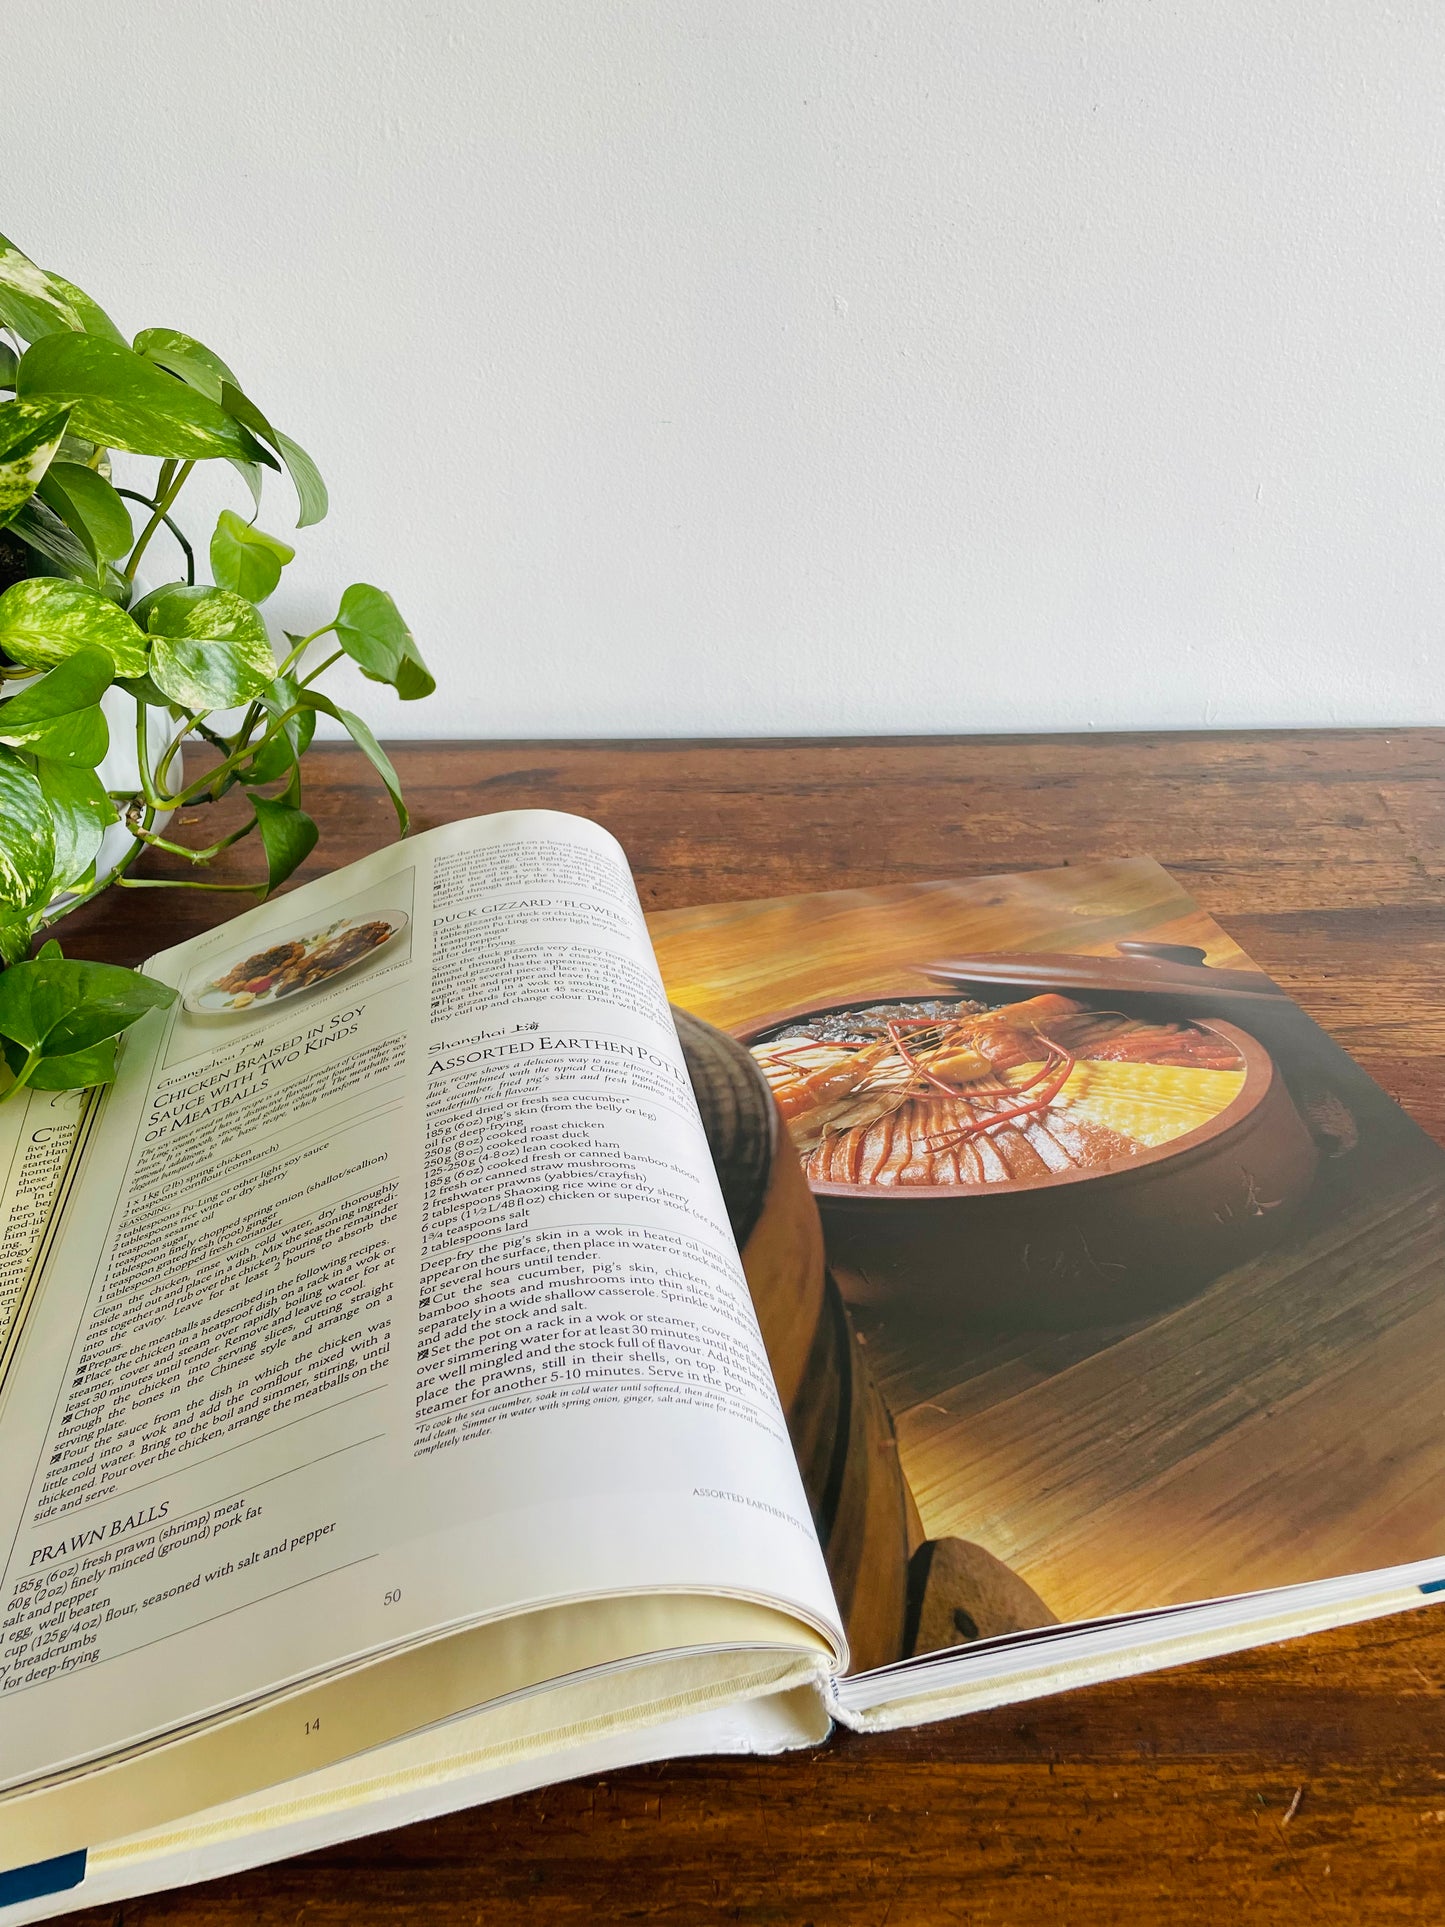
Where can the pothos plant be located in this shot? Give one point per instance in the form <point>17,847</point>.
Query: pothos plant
<point>191,659</point>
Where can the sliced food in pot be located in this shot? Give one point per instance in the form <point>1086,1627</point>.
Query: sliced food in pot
<point>955,1092</point>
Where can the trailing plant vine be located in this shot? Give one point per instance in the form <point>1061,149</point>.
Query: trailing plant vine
<point>191,660</point>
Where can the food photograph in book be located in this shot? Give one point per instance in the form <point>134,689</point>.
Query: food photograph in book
<point>1139,1273</point>
<point>241,984</point>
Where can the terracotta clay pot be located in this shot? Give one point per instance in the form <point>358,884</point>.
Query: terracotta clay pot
<point>1101,1245</point>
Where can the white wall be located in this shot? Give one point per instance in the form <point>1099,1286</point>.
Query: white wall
<point>805,365</point>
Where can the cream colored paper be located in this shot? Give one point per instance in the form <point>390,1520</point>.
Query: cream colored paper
<point>399,1304</point>
<point>40,1133</point>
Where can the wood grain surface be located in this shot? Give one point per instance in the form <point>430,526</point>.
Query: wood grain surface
<point>1303,1781</point>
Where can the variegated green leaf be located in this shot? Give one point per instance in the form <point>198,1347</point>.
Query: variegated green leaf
<point>370,629</point>
<point>140,609</point>
<point>78,1070</point>
<point>288,836</point>
<point>44,619</point>
<point>35,303</point>
<point>41,529</point>
<point>185,357</point>
<point>30,433</point>
<point>121,400</point>
<point>193,362</point>
<point>81,812</point>
<point>58,715</point>
<point>27,837</point>
<point>245,558</point>
<point>202,676</point>
<point>89,506</point>
<point>311,498</point>
<point>56,1006</point>
<point>16,930</point>
<point>209,647</point>
<point>93,318</point>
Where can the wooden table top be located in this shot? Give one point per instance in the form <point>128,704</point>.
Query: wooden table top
<point>1306,1780</point>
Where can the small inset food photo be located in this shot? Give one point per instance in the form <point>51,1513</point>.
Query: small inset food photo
<point>285,968</point>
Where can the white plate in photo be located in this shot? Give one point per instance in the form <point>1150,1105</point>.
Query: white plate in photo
<point>269,973</point>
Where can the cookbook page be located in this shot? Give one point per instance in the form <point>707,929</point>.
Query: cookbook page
<point>400,1295</point>
<point>1145,1274</point>
<point>39,1135</point>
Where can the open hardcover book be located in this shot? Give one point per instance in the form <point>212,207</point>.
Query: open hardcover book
<point>433,1369</point>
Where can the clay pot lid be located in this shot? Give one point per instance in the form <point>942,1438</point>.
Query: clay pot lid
<point>1168,968</point>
